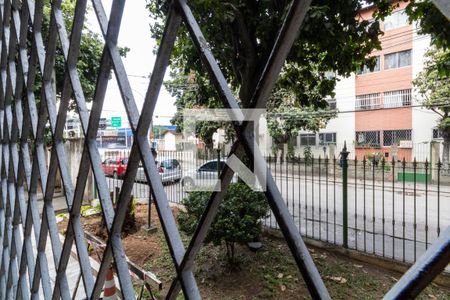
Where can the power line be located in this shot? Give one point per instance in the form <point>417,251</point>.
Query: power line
<point>334,112</point>
<point>139,76</point>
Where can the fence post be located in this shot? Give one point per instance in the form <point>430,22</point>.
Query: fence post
<point>218,163</point>
<point>344,165</point>
<point>150,227</point>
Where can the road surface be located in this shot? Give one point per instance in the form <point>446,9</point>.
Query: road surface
<point>392,222</point>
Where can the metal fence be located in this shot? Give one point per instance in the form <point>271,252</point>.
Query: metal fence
<point>387,208</point>
<point>395,209</point>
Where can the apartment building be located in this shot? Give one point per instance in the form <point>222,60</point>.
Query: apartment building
<point>379,112</point>
<point>387,119</point>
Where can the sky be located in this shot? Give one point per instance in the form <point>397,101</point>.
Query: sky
<point>135,34</point>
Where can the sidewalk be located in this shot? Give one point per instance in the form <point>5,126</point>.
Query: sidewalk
<point>73,267</point>
<point>59,203</point>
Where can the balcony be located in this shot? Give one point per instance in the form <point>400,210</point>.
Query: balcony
<point>391,99</point>
<point>369,101</point>
<point>397,98</point>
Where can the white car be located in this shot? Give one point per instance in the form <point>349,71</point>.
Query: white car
<point>205,177</point>
<point>169,171</point>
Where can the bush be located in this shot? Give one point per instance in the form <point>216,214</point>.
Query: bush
<point>237,221</point>
<point>307,154</point>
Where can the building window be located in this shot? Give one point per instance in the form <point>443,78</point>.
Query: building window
<point>307,139</point>
<point>327,138</point>
<point>365,69</point>
<point>395,20</point>
<point>396,136</point>
<point>397,98</point>
<point>437,133</point>
<point>397,59</point>
<point>369,101</point>
<point>368,138</point>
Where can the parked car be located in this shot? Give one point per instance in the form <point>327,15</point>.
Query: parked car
<point>115,167</point>
<point>169,171</point>
<point>205,176</point>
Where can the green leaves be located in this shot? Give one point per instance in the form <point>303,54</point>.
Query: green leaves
<point>431,21</point>
<point>433,84</point>
<point>238,219</point>
<point>241,35</point>
<point>91,48</point>
<point>285,122</point>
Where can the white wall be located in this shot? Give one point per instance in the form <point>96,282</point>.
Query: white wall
<point>423,120</point>
<point>74,149</point>
<point>169,141</point>
<point>264,141</point>
<point>344,124</point>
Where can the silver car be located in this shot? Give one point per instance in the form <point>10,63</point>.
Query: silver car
<point>205,177</point>
<point>169,171</point>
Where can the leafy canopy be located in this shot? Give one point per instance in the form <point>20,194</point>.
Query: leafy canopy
<point>433,84</point>
<point>241,35</point>
<point>91,48</point>
<point>431,21</point>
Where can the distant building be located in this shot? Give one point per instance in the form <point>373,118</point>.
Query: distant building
<point>170,140</point>
<point>387,118</point>
<point>379,112</point>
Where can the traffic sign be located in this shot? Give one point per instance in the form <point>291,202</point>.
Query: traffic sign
<point>116,122</point>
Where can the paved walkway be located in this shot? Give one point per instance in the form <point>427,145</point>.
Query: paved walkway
<point>72,272</point>
<point>73,267</point>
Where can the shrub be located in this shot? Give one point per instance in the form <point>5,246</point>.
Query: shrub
<point>238,219</point>
<point>307,154</point>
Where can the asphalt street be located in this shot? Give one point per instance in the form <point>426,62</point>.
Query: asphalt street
<point>393,221</point>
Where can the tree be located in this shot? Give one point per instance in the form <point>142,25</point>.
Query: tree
<point>238,219</point>
<point>91,48</point>
<point>241,35</point>
<point>285,122</point>
<point>431,21</point>
<point>192,92</point>
<point>433,84</point>
<point>88,66</point>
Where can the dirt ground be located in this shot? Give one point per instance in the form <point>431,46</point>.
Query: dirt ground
<point>270,273</point>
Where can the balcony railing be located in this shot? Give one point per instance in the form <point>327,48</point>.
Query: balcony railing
<point>369,101</point>
<point>389,99</point>
<point>397,98</point>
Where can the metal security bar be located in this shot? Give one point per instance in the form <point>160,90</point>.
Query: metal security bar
<point>397,98</point>
<point>367,139</point>
<point>369,101</point>
<point>27,268</point>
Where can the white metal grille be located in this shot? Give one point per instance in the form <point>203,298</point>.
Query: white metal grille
<point>369,101</point>
<point>397,98</point>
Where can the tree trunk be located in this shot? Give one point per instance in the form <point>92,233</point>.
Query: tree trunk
<point>130,224</point>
